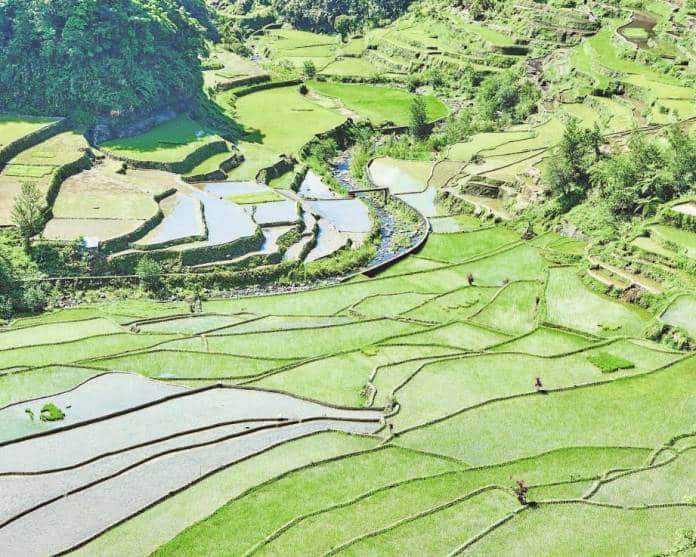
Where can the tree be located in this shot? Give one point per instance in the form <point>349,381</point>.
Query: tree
<point>27,213</point>
<point>626,178</point>
<point>99,57</point>
<point>309,69</point>
<point>149,272</point>
<point>505,98</point>
<point>343,26</point>
<point>418,122</point>
<point>567,174</point>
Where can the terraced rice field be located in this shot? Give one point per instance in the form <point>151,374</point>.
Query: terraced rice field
<point>378,104</point>
<point>408,398</point>
<point>170,142</point>
<point>37,164</point>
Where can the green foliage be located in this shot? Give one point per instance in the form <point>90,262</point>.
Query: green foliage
<point>27,213</point>
<point>418,120</point>
<point>505,98</point>
<point>567,174</point>
<point>324,15</point>
<point>609,363</point>
<point>647,174</point>
<point>36,297</point>
<point>344,24</point>
<point>51,413</point>
<point>98,58</point>
<point>149,272</point>
<point>309,70</point>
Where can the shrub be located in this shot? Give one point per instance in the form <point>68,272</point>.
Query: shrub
<point>418,121</point>
<point>506,97</point>
<point>51,413</point>
<point>149,272</point>
<point>35,298</point>
<point>309,69</point>
<point>6,308</point>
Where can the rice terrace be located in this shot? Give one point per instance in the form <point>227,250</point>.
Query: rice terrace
<point>356,277</point>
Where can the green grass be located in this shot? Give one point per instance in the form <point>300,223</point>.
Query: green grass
<point>488,34</point>
<point>674,481</point>
<point>59,332</point>
<point>265,509</point>
<point>390,305</point>
<point>683,239</point>
<point>644,531</point>
<point>457,335</point>
<point>77,350</point>
<point>256,157</point>
<point>167,364</point>
<point>28,171</point>
<point>41,382</point>
<point>14,127</point>
<point>170,142</point>
<point>209,165</point>
<point>482,141</point>
<point>282,120</point>
<point>514,310</point>
<point>146,532</point>
<point>340,379</point>
<point>627,412</point>
<point>379,104</point>
<point>358,67</point>
<point>300,343</point>
<point>609,363</point>
<point>254,198</point>
<point>439,532</point>
<point>546,342</point>
<point>636,33</point>
<point>446,386</point>
<point>458,247</point>
<point>571,304</point>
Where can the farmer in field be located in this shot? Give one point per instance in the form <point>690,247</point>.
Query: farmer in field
<point>470,279</point>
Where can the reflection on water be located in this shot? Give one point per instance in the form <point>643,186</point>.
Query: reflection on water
<point>183,221</point>
<point>347,215</point>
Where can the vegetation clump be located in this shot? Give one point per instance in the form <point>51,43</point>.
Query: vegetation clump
<point>80,56</point>
<point>51,413</point>
<point>609,363</point>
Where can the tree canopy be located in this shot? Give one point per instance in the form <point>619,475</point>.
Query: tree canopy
<point>86,56</point>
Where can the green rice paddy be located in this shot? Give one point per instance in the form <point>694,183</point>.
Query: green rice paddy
<point>378,103</point>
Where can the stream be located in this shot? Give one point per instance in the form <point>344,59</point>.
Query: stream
<point>392,232</point>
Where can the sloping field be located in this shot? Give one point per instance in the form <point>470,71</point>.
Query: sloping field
<point>379,104</point>
<point>103,461</point>
<point>38,164</point>
<point>170,142</point>
<point>456,366</point>
<point>14,127</point>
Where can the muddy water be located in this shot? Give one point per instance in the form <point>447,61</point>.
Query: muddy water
<point>643,24</point>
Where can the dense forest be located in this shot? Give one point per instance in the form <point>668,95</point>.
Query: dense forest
<point>316,15</point>
<point>84,57</point>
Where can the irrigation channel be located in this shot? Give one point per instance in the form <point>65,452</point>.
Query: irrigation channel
<point>393,232</point>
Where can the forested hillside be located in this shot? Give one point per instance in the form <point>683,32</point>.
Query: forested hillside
<point>81,56</point>
<point>314,15</point>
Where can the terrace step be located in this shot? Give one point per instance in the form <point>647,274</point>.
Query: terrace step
<point>642,282</point>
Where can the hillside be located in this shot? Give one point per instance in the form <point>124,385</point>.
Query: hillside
<point>92,58</point>
<point>400,278</point>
